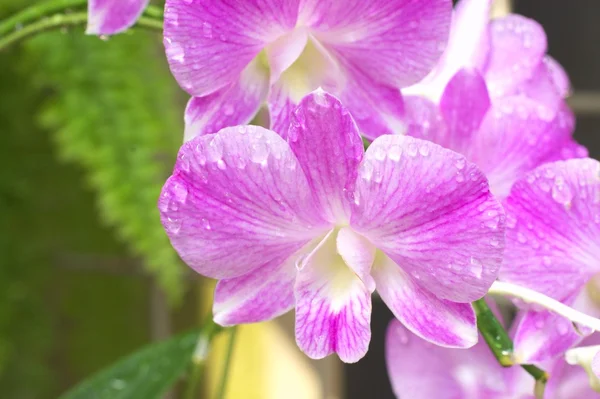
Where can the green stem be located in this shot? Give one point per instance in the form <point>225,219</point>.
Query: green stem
<point>501,345</point>
<point>494,333</point>
<point>207,333</point>
<point>64,20</point>
<point>541,378</point>
<point>226,366</point>
<point>38,11</point>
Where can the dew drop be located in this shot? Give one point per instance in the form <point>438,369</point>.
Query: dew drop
<point>205,224</point>
<point>476,267</point>
<point>412,149</point>
<point>260,153</point>
<point>460,163</point>
<point>424,150</point>
<point>395,152</point>
<point>402,336</point>
<point>207,30</point>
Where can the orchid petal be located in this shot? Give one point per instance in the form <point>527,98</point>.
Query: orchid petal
<point>516,136</point>
<point>431,212</point>
<point>468,47</point>
<point>107,17</point>
<point>333,307</point>
<point>326,141</point>
<point>396,41</point>
<point>553,220</point>
<point>441,322</point>
<point>463,112</point>
<point>358,254</point>
<point>421,370</point>
<point>209,43</point>
<point>260,295</point>
<point>518,45</point>
<point>235,104</point>
<point>237,200</point>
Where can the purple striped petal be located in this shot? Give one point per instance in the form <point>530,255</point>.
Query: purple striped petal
<point>263,294</point>
<point>237,200</point>
<point>441,322</point>
<point>553,228</point>
<point>235,104</point>
<point>209,43</point>
<point>326,141</point>
<point>432,213</point>
<point>333,306</point>
<point>107,17</point>
<point>391,41</point>
<point>518,45</point>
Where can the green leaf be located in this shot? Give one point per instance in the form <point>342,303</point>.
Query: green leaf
<point>146,374</point>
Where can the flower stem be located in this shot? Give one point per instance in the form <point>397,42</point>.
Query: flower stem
<point>494,333</point>
<point>531,296</point>
<point>501,345</point>
<point>55,14</point>
<point>38,11</point>
<point>61,21</point>
<point>226,366</point>
<point>207,333</point>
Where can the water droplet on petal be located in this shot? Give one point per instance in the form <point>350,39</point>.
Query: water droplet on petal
<point>402,336</point>
<point>395,152</point>
<point>476,267</point>
<point>205,224</point>
<point>207,30</point>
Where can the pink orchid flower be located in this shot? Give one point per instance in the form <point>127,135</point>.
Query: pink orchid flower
<point>233,56</point>
<point>506,137</point>
<point>509,52</point>
<point>107,17</point>
<point>419,370</point>
<point>553,228</point>
<point>316,224</point>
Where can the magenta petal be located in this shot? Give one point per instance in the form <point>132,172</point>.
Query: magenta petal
<point>393,41</point>
<point>468,47</point>
<point>333,307</point>
<point>463,105</point>
<point>559,76</point>
<point>432,213</point>
<point>377,108</point>
<point>541,336</point>
<point>424,121</point>
<point>260,295</point>
<point>436,320</point>
<point>237,200</point>
<point>326,141</point>
<point>235,104</point>
<point>209,43</point>
<point>421,370</point>
<point>518,46</point>
<point>107,17</point>
<point>553,226</point>
<point>517,135</point>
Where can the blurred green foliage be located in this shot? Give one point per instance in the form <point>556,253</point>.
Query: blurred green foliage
<point>113,112</point>
<point>113,107</point>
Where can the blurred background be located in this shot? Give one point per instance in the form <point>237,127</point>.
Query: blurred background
<point>89,129</point>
